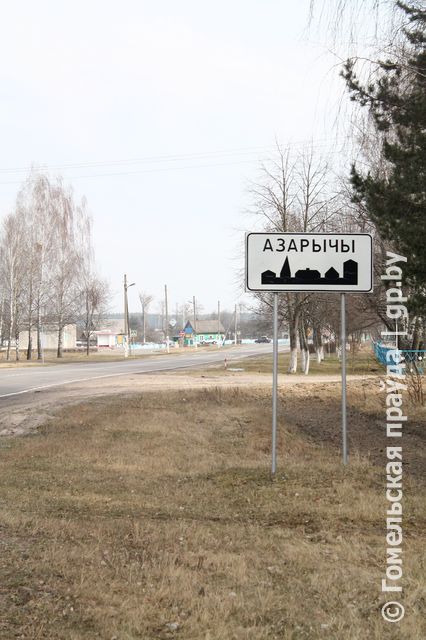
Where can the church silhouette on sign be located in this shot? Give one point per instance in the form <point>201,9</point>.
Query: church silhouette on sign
<point>312,276</point>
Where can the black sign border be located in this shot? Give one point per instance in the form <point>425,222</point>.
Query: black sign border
<point>316,289</point>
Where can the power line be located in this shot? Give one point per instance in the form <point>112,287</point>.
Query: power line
<point>154,170</point>
<point>224,153</point>
<point>166,158</point>
<point>141,171</point>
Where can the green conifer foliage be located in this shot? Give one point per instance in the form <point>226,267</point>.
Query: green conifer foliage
<point>396,197</point>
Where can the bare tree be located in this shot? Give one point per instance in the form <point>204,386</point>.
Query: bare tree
<point>95,300</point>
<point>145,300</point>
<point>46,263</point>
<point>72,250</point>
<point>13,276</point>
<point>295,194</point>
<point>36,233</point>
<point>44,233</point>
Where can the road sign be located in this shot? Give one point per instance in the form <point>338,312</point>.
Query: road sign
<point>133,333</point>
<point>172,322</point>
<point>332,262</point>
<point>335,262</point>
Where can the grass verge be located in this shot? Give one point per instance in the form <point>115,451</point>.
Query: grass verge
<point>155,517</point>
<point>360,363</point>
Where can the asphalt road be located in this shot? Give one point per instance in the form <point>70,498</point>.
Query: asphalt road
<point>14,382</point>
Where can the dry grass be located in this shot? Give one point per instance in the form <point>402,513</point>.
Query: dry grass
<point>126,518</point>
<point>96,355</point>
<point>68,357</point>
<point>361,363</point>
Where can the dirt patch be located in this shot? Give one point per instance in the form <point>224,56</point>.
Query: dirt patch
<point>308,405</point>
<point>22,414</point>
<point>315,411</point>
<point>21,422</point>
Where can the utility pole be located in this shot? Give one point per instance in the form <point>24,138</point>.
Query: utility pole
<point>145,301</point>
<point>236,325</point>
<point>219,340</point>
<point>167,318</point>
<point>143,322</point>
<point>195,321</point>
<point>163,328</point>
<point>126,317</point>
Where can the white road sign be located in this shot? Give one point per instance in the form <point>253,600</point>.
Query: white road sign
<point>309,262</point>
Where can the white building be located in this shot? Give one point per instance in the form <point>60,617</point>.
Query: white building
<point>49,338</point>
<point>106,339</point>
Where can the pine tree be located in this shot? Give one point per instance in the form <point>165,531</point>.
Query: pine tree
<point>395,197</point>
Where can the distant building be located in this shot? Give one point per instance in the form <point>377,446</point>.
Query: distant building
<point>208,332</point>
<point>110,333</point>
<point>116,325</point>
<point>106,338</point>
<point>49,337</point>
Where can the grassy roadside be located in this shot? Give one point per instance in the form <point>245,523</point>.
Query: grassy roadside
<point>155,518</point>
<point>95,356</point>
<point>361,363</point>
<point>81,356</point>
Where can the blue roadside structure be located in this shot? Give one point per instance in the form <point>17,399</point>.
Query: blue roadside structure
<point>414,358</point>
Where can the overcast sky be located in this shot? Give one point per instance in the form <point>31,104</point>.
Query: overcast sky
<point>170,107</point>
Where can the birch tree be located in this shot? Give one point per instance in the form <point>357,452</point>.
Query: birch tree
<point>44,230</point>
<point>294,195</point>
<point>70,242</point>
<point>145,300</point>
<point>47,268</point>
<point>95,301</point>
<point>36,230</point>
<point>13,273</point>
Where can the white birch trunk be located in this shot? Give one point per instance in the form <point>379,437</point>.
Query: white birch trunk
<point>11,319</point>
<point>39,345</point>
<point>17,344</point>
<point>293,326</point>
<point>1,321</point>
<point>303,359</point>
<point>307,362</point>
<point>292,367</point>
<point>60,340</point>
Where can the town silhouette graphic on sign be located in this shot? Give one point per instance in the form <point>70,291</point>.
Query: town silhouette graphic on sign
<point>312,276</point>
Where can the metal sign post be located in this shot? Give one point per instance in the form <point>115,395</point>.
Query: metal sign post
<point>275,387</point>
<point>343,365</point>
